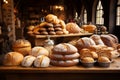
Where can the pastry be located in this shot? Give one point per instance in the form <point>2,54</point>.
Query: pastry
<point>44,33</point>
<point>23,46</point>
<point>42,61</point>
<point>103,59</point>
<point>87,60</point>
<point>59,32</point>
<point>28,61</point>
<point>13,59</point>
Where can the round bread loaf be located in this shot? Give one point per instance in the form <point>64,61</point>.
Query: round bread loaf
<point>42,61</point>
<point>28,61</point>
<point>97,39</point>
<point>84,42</point>
<point>64,48</point>
<point>36,51</point>
<point>87,60</point>
<point>73,28</point>
<point>22,46</point>
<point>64,57</point>
<point>64,63</point>
<point>13,59</point>
<point>103,59</point>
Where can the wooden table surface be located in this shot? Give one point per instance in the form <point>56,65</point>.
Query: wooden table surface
<point>114,68</point>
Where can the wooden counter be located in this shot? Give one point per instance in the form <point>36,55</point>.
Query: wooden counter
<point>62,73</point>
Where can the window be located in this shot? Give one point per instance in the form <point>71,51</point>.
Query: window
<point>99,14</point>
<point>85,17</point>
<point>118,14</point>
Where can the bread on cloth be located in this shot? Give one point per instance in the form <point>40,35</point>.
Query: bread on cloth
<point>97,39</point>
<point>65,63</point>
<point>84,42</point>
<point>13,59</point>
<point>64,48</point>
<point>42,61</point>
<point>37,50</point>
<point>28,61</point>
<point>73,28</point>
<point>23,46</point>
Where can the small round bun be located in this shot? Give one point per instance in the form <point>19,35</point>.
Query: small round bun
<point>42,61</point>
<point>64,48</point>
<point>13,59</point>
<point>59,32</point>
<point>103,59</point>
<point>87,60</point>
<point>28,61</point>
<point>36,51</point>
<point>22,46</point>
<point>65,63</point>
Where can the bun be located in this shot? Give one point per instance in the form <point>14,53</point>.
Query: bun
<point>13,59</point>
<point>36,51</point>
<point>87,60</point>
<point>97,39</point>
<point>22,46</point>
<point>103,59</point>
<point>65,63</point>
<point>73,28</point>
<point>64,57</point>
<point>42,61</point>
<point>28,61</point>
<point>64,48</point>
<point>84,42</point>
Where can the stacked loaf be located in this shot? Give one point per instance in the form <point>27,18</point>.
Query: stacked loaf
<point>64,54</point>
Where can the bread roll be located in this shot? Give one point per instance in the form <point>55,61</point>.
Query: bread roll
<point>13,59</point>
<point>42,61</point>
<point>87,60</point>
<point>36,51</point>
<point>28,61</point>
<point>84,42</point>
<point>64,63</point>
<point>22,46</point>
<point>97,39</point>
<point>64,57</point>
<point>103,59</point>
<point>64,48</point>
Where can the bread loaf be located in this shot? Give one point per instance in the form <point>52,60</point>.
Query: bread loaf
<point>13,59</point>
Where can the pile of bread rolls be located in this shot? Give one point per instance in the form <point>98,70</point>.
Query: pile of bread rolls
<point>54,26</point>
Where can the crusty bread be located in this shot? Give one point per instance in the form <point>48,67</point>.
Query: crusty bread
<point>103,59</point>
<point>64,48</point>
<point>36,51</point>
<point>87,60</point>
<point>28,61</point>
<point>13,59</point>
<point>42,61</point>
<point>97,39</point>
<point>22,46</point>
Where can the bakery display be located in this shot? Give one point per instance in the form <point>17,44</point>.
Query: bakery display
<point>64,54</point>
<point>42,61</point>
<point>13,59</point>
<point>23,46</point>
<point>37,50</point>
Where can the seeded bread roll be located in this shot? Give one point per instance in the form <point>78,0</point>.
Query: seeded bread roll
<point>13,59</point>
<point>36,51</point>
<point>28,61</point>
<point>42,61</point>
<point>23,46</point>
<point>64,48</point>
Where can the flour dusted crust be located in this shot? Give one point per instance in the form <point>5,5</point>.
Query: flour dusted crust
<point>13,59</point>
<point>28,61</point>
<point>65,57</point>
<point>64,48</point>
<point>42,61</point>
<point>36,51</point>
<point>65,63</point>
